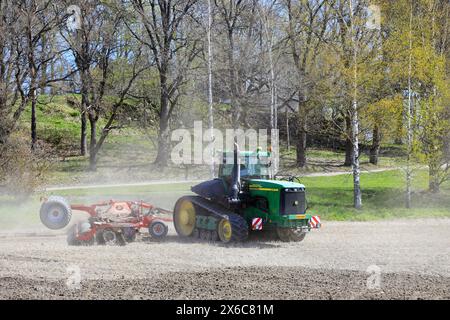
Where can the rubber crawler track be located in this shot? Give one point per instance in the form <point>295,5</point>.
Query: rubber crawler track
<point>238,224</point>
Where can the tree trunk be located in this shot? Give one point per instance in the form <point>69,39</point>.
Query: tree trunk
<point>348,142</point>
<point>53,90</point>
<point>93,143</point>
<point>83,142</point>
<point>236,109</point>
<point>210,91</point>
<point>288,134</point>
<point>33,120</point>
<point>43,68</point>
<point>375,149</point>
<point>357,196</point>
<point>433,177</point>
<point>84,109</point>
<point>3,124</point>
<point>301,149</point>
<point>301,137</point>
<point>33,90</point>
<point>162,157</point>
<point>398,137</point>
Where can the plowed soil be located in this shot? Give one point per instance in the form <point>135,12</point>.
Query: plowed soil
<point>404,259</point>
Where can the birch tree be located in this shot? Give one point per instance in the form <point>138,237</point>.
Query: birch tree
<point>357,196</point>
<point>356,46</point>
<point>210,85</point>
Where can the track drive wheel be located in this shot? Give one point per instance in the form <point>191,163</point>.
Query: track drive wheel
<point>291,234</point>
<point>184,217</point>
<point>233,229</point>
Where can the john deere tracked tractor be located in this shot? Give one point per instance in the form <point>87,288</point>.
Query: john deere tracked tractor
<point>243,199</point>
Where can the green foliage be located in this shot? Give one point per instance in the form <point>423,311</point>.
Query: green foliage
<point>417,42</point>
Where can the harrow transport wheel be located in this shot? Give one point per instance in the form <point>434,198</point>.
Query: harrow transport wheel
<point>235,229</point>
<point>291,234</point>
<point>55,213</point>
<point>158,230</point>
<point>184,217</point>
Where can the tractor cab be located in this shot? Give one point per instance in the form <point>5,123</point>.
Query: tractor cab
<point>253,165</point>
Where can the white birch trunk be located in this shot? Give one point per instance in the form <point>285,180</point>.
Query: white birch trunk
<point>210,93</point>
<point>357,197</point>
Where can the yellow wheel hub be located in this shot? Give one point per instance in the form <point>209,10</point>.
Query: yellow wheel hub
<point>185,218</point>
<point>224,230</point>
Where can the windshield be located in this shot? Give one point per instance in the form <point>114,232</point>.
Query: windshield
<point>250,167</point>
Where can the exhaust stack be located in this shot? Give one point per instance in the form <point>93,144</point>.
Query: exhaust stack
<point>236,177</point>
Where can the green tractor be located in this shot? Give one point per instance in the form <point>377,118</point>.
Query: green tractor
<point>244,199</point>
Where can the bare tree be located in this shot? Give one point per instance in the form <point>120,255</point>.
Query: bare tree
<point>307,24</point>
<point>12,70</point>
<point>230,14</point>
<point>268,20</point>
<point>210,84</point>
<point>96,48</point>
<point>39,18</point>
<point>85,41</point>
<point>23,27</point>
<point>165,32</point>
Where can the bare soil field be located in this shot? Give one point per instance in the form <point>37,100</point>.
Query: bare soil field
<point>403,259</point>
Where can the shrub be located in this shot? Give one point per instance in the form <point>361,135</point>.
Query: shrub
<point>22,170</point>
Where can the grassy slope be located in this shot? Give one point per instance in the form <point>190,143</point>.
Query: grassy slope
<point>57,123</point>
<point>383,197</point>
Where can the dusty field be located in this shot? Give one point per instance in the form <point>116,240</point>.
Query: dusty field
<point>341,261</point>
